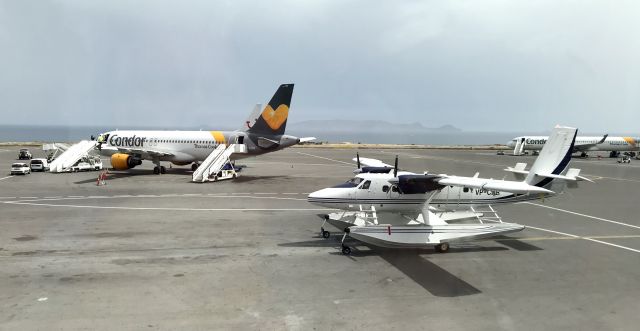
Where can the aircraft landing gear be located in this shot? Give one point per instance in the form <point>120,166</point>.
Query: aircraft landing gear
<point>159,170</point>
<point>442,248</point>
<point>194,166</point>
<point>584,154</point>
<point>325,234</point>
<point>614,154</point>
<point>346,250</point>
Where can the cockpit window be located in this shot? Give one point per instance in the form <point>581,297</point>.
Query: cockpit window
<point>353,182</point>
<point>366,185</point>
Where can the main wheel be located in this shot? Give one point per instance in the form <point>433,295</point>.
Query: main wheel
<point>326,234</point>
<point>156,170</point>
<point>163,170</point>
<point>346,250</point>
<point>194,167</point>
<point>442,248</point>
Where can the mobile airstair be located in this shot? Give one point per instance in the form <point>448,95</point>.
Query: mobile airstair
<point>519,149</point>
<point>211,169</point>
<point>54,149</point>
<point>71,156</point>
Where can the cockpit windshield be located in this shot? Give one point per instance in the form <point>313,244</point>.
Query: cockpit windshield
<point>353,182</point>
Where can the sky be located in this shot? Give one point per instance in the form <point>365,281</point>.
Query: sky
<point>486,65</point>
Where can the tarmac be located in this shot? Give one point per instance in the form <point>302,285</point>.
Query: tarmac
<point>159,252</point>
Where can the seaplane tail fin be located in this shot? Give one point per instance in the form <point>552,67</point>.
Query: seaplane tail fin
<point>554,156</point>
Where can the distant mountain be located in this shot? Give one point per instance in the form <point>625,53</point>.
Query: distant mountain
<point>368,126</point>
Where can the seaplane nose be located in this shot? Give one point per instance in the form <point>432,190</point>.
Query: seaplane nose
<point>319,197</point>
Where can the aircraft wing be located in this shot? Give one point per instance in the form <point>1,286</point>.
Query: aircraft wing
<point>144,152</point>
<point>371,162</point>
<point>586,147</point>
<point>412,184</point>
<point>511,186</point>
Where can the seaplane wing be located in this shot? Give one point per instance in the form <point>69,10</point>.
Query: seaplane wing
<point>367,162</point>
<point>412,184</point>
<point>585,147</point>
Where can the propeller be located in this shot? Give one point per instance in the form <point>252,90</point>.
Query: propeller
<point>395,168</point>
<point>358,159</point>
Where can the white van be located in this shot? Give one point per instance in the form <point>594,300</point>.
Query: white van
<point>39,165</point>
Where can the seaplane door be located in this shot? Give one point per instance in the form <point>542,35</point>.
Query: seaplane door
<point>364,193</point>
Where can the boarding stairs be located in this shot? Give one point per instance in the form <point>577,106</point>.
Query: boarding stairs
<point>54,149</point>
<point>213,164</point>
<point>519,149</point>
<point>71,156</point>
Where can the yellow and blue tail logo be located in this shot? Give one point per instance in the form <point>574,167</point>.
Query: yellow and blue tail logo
<point>273,118</point>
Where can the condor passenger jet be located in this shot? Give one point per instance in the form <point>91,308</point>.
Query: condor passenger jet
<point>583,144</point>
<point>263,134</point>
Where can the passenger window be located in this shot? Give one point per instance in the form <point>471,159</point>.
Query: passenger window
<point>385,188</point>
<point>465,189</point>
<point>394,188</point>
<point>365,185</point>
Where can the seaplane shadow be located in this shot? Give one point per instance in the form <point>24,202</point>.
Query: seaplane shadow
<point>516,244</point>
<point>434,279</point>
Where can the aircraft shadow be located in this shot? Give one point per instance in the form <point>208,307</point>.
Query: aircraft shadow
<point>516,244</point>
<point>434,279</point>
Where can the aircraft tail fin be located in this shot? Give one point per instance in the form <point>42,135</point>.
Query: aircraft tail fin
<point>273,118</point>
<point>553,158</point>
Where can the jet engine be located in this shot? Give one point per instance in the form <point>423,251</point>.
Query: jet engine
<point>120,161</point>
<point>178,163</point>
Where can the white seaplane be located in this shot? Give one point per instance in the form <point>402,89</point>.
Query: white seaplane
<point>385,207</point>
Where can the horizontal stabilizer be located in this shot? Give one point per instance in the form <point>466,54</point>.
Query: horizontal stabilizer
<point>305,139</point>
<point>573,174</point>
<point>518,169</point>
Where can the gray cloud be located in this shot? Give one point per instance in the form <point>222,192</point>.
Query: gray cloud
<point>479,65</point>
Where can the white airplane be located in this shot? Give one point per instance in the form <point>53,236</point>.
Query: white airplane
<point>407,201</point>
<point>615,145</point>
<point>262,134</point>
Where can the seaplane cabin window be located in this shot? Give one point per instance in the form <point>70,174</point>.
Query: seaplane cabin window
<point>365,185</point>
<point>465,189</point>
<point>394,188</point>
<point>385,188</point>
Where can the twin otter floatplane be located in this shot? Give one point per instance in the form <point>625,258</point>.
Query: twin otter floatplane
<point>386,207</point>
<point>209,152</point>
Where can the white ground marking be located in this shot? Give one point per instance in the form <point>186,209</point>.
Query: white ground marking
<point>585,238</point>
<point>171,209</point>
<point>6,177</point>
<point>326,158</point>
<point>35,199</point>
<point>584,215</point>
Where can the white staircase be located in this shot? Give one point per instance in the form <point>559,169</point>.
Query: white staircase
<point>71,156</point>
<point>216,161</point>
<point>519,149</point>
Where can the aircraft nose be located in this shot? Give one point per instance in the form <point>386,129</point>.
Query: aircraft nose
<point>318,197</point>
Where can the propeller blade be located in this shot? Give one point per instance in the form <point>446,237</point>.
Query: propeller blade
<point>358,158</point>
<point>395,168</point>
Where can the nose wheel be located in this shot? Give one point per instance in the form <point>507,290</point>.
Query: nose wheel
<point>159,170</point>
<point>346,250</point>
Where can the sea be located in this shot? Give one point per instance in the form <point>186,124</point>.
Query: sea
<point>26,133</point>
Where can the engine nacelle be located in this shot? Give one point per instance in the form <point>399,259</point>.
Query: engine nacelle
<point>120,161</point>
<point>178,163</point>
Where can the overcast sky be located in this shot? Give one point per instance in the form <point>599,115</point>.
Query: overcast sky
<point>478,65</point>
